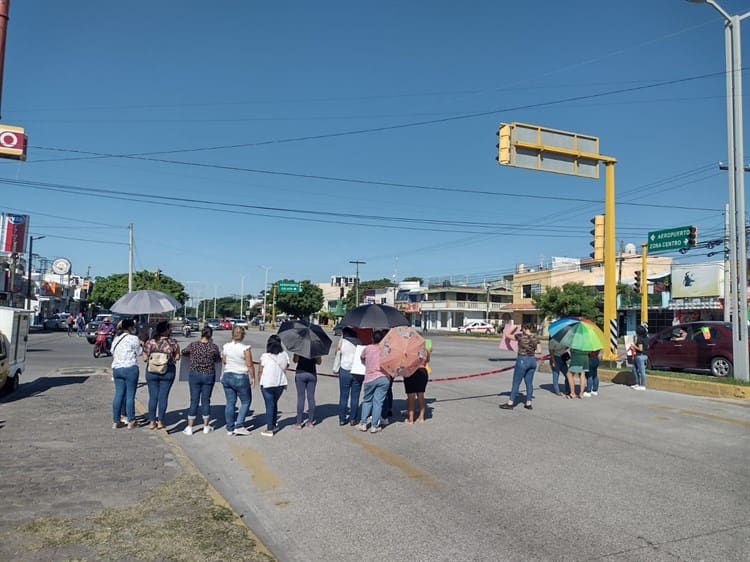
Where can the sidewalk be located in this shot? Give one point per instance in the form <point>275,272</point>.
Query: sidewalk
<point>73,488</point>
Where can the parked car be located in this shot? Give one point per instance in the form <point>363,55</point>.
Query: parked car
<point>226,324</point>
<point>213,323</point>
<point>93,326</point>
<point>697,346</point>
<point>241,322</point>
<point>58,321</point>
<point>477,327</point>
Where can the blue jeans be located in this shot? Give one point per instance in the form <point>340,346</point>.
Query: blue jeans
<point>592,377</point>
<point>201,387</point>
<point>126,382</point>
<point>639,369</point>
<point>305,383</point>
<point>236,385</point>
<point>158,393</point>
<point>350,387</point>
<point>372,402</point>
<point>559,367</point>
<point>271,397</point>
<point>525,369</point>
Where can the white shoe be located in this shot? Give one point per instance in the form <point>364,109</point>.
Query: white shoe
<point>376,429</point>
<point>188,430</point>
<point>207,429</point>
<point>641,387</point>
<point>587,395</point>
<point>634,386</point>
<point>594,393</point>
<point>362,427</point>
<point>241,431</point>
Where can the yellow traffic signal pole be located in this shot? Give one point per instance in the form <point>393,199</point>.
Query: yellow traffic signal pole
<point>273,307</point>
<point>644,283</point>
<point>611,327</point>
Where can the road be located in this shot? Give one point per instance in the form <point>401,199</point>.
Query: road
<point>624,476</point>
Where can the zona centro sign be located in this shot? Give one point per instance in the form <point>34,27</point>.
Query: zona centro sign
<point>289,288</point>
<point>669,239</point>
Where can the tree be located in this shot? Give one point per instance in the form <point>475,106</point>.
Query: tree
<point>302,304</point>
<point>350,299</point>
<point>573,299</point>
<point>108,289</point>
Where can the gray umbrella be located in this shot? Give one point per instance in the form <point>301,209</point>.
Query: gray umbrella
<point>145,302</point>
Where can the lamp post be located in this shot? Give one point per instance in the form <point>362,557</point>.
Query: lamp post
<point>28,278</point>
<point>736,175</point>
<point>242,298</point>
<point>265,292</point>
<point>356,280</point>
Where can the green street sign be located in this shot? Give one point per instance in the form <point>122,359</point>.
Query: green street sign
<point>289,288</point>
<point>669,239</point>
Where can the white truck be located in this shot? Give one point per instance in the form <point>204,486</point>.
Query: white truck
<point>14,335</point>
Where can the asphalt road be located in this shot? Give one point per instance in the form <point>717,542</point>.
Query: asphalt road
<point>627,475</point>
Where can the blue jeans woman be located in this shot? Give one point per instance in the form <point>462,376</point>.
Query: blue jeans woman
<point>158,395</point>
<point>350,387</point>
<point>236,387</point>
<point>126,382</point>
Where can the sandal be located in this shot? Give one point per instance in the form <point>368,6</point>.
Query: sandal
<point>568,396</point>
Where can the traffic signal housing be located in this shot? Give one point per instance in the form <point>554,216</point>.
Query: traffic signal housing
<point>693,236</point>
<point>637,281</point>
<point>503,144</point>
<point>598,241</point>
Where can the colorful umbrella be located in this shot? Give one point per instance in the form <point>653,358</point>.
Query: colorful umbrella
<point>578,333</point>
<point>403,351</point>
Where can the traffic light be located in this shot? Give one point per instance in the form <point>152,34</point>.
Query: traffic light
<point>637,281</point>
<point>598,242</point>
<point>503,144</point>
<point>693,236</point>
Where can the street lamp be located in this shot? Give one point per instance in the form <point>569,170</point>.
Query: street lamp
<point>28,279</point>
<point>242,298</point>
<point>356,280</point>
<point>265,291</point>
<point>736,175</point>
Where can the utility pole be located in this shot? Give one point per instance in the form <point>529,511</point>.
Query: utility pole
<point>4,11</point>
<point>214,301</point>
<point>265,292</point>
<point>130,258</point>
<point>356,280</point>
<point>242,297</point>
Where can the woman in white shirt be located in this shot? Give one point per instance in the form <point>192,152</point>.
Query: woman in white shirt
<point>126,347</point>
<point>273,381</point>
<point>238,364</point>
<point>350,385</point>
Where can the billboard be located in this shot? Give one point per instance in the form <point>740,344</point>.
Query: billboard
<point>13,142</point>
<point>697,280</point>
<point>14,231</point>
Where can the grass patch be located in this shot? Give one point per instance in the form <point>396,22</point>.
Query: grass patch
<point>177,521</point>
<point>696,377</point>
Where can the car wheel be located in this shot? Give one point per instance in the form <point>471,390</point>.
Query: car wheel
<point>721,367</point>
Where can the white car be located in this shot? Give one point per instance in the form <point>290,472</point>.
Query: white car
<point>477,327</point>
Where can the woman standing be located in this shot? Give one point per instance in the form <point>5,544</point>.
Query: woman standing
<point>579,365</point>
<point>639,348</point>
<point>415,386</point>
<point>203,355</point>
<point>239,373</point>
<point>306,379</point>
<point>273,381</point>
<point>125,350</point>
<point>528,346</point>
<point>350,385</point>
<point>592,378</point>
<point>160,383</point>
<point>377,382</point>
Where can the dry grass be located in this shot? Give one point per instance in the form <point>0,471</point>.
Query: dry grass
<point>178,521</point>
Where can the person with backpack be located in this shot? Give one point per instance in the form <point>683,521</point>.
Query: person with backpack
<point>161,354</point>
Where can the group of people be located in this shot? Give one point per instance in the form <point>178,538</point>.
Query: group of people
<point>359,370</point>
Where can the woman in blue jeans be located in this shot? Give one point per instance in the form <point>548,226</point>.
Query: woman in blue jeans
<point>528,346</point>
<point>125,350</point>
<point>238,372</point>
<point>204,355</point>
<point>306,379</point>
<point>638,349</point>
<point>350,385</point>
<point>158,384</point>
<point>273,381</point>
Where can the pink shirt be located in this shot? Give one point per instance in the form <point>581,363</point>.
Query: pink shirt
<point>371,359</point>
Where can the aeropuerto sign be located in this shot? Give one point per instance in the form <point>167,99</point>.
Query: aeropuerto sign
<point>668,239</point>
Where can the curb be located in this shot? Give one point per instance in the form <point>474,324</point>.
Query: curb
<point>682,386</point>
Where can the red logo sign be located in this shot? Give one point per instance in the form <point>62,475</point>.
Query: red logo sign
<point>12,142</point>
<point>14,235</point>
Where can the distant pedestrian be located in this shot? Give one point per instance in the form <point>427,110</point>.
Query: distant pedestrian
<point>350,385</point>
<point>639,351</point>
<point>415,386</point>
<point>273,381</point>
<point>238,377</point>
<point>592,377</point>
<point>528,346</point>
<point>161,354</point>
<point>71,322</point>
<point>125,350</point>
<point>306,380</point>
<point>80,325</point>
<point>558,362</point>
<point>376,382</point>
<point>203,354</point>
<point>579,365</point>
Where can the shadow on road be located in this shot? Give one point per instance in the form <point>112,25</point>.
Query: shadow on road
<point>41,385</point>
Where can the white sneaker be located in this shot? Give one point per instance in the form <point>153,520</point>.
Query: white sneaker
<point>188,430</point>
<point>362,427</point>
<point>376,429</point>
<point>634,386</point>
<point>241,431</point>
<point>594,393</point>
<point>587,395</point>
<point>641,387</point>
<point>207,429</point>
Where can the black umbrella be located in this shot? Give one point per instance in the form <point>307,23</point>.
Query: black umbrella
<point>375,316</point>
<point>306,340</point>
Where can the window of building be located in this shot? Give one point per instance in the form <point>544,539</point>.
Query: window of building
<point>531,289</point>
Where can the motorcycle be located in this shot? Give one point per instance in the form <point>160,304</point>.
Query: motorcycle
<point>102,345</point>
<point>186,330</point>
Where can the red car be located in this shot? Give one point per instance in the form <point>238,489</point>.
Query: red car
<point>226,324</point>
<point>699,346</point>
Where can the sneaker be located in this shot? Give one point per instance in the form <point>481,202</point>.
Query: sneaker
<point>188,430</point>
<point>634,386</point>
<point>384,421</point>
<point>587,395</point>
<point>241,431</point>
<point>594,393</point>
<point>207,429</point>
<point>267,433</point>
<point>376,429</point>
<point>641,387</point>
<point>362,427</point>
<point>230,433</point>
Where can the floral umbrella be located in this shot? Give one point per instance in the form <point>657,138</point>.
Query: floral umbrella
<point>578,333</point>
<point>402,352</point>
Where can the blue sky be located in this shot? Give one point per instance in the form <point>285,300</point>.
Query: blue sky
<point>234,111</point>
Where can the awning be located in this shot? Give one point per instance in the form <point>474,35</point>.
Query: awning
<point>697,303</point>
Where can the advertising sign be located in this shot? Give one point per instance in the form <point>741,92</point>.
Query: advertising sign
<point>12,142</point>
<point>697,280</point>
<point>13,235</point>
